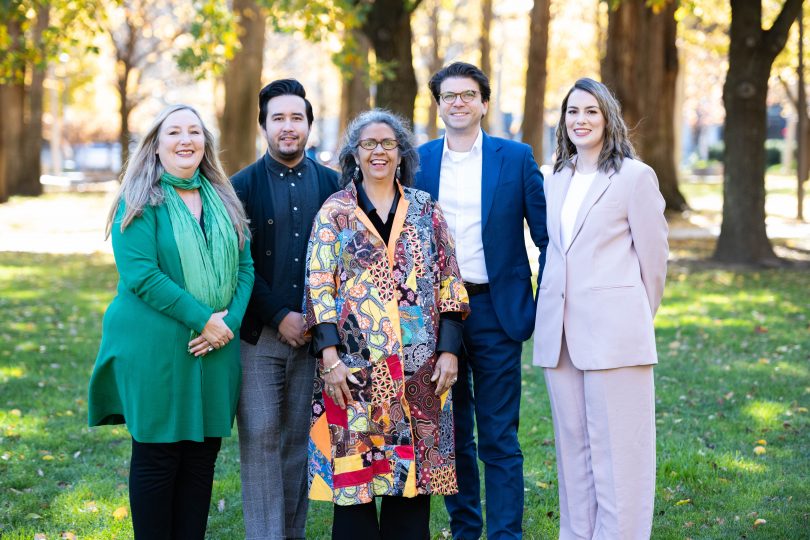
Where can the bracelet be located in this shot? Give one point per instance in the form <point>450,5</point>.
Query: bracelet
<point>328,370</point>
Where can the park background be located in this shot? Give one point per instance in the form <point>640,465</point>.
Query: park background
<point>714,91</point>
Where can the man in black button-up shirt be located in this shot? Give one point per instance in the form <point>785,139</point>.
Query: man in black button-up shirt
<point>282,192</point>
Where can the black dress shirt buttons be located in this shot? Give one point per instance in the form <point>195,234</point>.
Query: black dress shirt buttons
<point>296,235</point>
<point>295,208</point>
<point>296,259</point>
<point>299,174</point>
<point>292,184</point>
<point>281,174</point>
<point>268,252</point>
<point>270,221</point>
<point>295,285</point>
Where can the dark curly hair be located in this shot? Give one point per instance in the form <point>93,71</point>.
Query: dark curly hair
<point>460,70</point>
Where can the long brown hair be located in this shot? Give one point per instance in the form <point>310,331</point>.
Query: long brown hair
<point>616,143</point>
<point>140,184</point>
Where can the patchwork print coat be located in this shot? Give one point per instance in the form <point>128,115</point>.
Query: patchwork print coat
<point>395,436</point>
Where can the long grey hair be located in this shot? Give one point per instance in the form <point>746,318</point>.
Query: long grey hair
<point>140,183</point>
<point>616,144</point>
<point>407,151</point>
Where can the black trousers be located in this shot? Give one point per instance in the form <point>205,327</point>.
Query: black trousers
<point>401,518</point>
<point>170,488</point>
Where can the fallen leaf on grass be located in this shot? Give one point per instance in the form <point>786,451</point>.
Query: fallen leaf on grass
<point>541,485</point>
<point>760,329</point>
<point>15,412</point>
<point>40,536</point>
<point>759,522</point>
<point>47,457</point>
<point>90,506</point>
<point>221,505</point>
<point>67,535</point>
<point>683,502</point>
<point>763,442</point>
<point>759,450</point>
<point>120,513</point>
<point>764,361</point>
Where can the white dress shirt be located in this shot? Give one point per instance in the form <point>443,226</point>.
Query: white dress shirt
<point>580,184</point>
<point>460,198</point>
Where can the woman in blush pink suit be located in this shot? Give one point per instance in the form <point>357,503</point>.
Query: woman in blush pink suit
<point>594,337</point>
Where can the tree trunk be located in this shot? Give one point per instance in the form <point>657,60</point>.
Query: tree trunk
<point>743,237</point>
<point>5,192</point>
<point>434,65</point>
<point>243,79</point>
<point>355,96</point>
<point>641,67</point>
<point>533,127</point>
<point>485,45</point>
<point>388,28</point>
<point>124,109</point>
<point>802,161</point>
<point>29,183</point>
<point>13,107</point>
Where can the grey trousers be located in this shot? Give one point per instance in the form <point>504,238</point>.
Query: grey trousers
<point>273,418</point>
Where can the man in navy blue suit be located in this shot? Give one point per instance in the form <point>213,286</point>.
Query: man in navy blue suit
<point>486,187</point>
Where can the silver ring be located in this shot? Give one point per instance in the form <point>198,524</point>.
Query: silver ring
<point>453,381</point>
<point>210,348</point>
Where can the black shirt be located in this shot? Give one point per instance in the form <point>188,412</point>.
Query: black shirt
<point>295,203</point>
<point>367,206</point>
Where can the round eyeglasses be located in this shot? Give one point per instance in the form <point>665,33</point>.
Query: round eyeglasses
<point>371,144</point>
<point>466,96</point>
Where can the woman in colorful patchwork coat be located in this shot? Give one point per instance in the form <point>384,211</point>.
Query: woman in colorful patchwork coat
<point>384,304</point>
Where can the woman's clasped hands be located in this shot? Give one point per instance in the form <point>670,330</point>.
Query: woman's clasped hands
<point>214,335</point>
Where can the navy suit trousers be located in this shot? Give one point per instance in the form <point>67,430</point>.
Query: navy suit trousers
<point>487,394</point>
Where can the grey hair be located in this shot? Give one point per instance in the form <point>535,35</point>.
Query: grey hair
<point>616,143</point>
<point>140,180</point>
<point>403,135</point>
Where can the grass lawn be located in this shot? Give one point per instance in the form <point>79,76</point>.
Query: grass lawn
<point>733,388</point>
<point>734,376</point>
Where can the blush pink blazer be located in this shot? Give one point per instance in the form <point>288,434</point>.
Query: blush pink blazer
<point>604,289</point>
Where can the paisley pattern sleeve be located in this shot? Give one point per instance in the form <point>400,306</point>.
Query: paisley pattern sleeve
<point>452,294</point>
<point>323,256</point>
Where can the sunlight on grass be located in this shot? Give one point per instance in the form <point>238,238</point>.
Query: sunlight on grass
<point>740,464</point>
<point>11,372</point>
<point>765,412</point>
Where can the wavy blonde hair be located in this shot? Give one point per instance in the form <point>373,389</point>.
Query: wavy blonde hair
<point>616,144</point>
<point>140,180</point>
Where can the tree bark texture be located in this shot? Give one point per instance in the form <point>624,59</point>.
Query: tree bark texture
<point>641,67</point>
<point>28,182</point>
<point>486,47</point>
<point>355,95</point>
<point>533,127</point>
<point>743,237</point>
<point>243,79</point>
<point>388,28</point>
<point>434,65</point>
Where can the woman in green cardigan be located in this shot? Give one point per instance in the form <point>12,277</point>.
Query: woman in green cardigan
<point>168,365</point>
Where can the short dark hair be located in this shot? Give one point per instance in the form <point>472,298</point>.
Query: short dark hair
<point>463,70</point>
<point>407,150</point>
<point>283,87</point>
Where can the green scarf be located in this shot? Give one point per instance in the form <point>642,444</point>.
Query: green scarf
<point>210,262</point>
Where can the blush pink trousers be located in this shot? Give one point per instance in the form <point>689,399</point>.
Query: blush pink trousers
<point>604,431</point>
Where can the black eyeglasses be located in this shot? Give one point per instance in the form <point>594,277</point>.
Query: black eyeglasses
<point>371,144</point>
<point>466,96</point>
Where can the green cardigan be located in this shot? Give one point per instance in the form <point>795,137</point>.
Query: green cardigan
<point>144,375</point>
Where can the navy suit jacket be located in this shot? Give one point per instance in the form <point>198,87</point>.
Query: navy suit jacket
<point>511,191</point>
